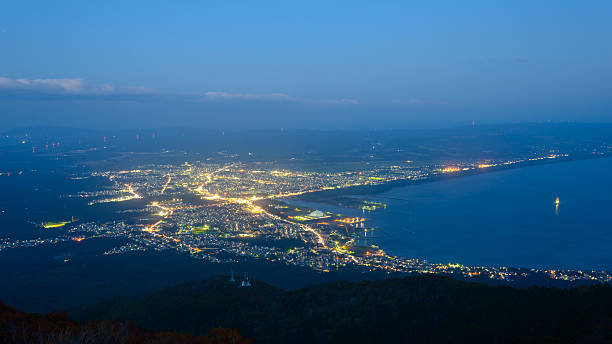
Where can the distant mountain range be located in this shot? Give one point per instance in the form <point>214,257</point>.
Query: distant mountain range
<point>486,141</point>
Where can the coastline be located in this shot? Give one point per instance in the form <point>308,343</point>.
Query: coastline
<point>336,195</point>
<point>538,241</point>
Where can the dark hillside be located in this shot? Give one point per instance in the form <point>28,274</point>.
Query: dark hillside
<point>422,309</point>
<point>20,327</point>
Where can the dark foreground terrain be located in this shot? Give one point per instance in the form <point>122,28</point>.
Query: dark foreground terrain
<point>20,327</point>
<point>420,309</point>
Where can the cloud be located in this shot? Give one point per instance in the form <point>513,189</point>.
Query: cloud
<point>416,101</point>
<point>43,85</point>
<point>213,95</point>
<point>272,97</point>
<point>79,88</point>
<point>67,88</point>
<point>340,101</point>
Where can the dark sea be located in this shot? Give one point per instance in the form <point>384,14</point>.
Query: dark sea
<point>504,218</point>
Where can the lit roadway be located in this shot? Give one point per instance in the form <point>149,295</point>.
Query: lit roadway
<point>254,208</point>
<point>166,185</point>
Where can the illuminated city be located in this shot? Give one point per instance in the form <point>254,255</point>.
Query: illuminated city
<point>228,212</point>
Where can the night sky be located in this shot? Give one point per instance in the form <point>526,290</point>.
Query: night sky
<point>316,64</point>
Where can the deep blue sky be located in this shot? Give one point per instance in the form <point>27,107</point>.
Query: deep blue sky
<point>319,64</point>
